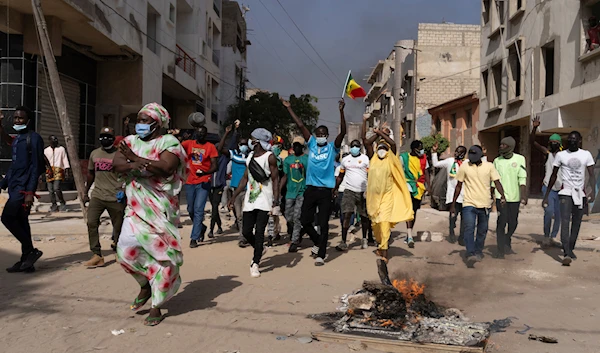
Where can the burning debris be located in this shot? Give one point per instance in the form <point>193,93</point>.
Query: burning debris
<point>400,310</point>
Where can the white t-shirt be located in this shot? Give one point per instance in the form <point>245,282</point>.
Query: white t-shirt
<point>336,174</point>
<point>356,170</point>
<point>549,168</point>
<point>572,169</point>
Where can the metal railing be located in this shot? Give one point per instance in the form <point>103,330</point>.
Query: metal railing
<point>185,62</point>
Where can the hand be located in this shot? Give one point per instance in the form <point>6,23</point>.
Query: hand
<point>127,152</point>
<point>237,123</point>
<point>28,201</point>
<point>545,203</point>
<point>377,131</point>
<point>536,121</point>
<point>335,193</point>
<point>342,105</point>
<point>228,129</point>
<point>484,150</point>
<point>285,103</point>
<point>366,116</point>
<point>230,203</point>
<point>452,209</point>
<point>86,200</point>
<point>591,198</point>
<point>435,146</point>
<point>503,201</point>
<point>276,210</point>
<point>524,201</point>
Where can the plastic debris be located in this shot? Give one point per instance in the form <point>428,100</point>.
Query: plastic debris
<point>117,332</point>
<point>304,340</point>
<point>545,339</point>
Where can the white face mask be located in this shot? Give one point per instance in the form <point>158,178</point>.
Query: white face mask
<point>421,153</point>
<point>321,141</point>
<point>382,153</point>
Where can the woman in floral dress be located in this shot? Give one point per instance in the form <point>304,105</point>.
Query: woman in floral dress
<point>149,246</point>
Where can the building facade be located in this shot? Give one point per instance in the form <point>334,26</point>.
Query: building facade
<point>457,120</point>
<point>379,99</point>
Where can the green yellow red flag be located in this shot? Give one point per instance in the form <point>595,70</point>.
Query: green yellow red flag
<point>353,89</point>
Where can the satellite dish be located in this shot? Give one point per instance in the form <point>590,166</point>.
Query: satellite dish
<point>196,120</point>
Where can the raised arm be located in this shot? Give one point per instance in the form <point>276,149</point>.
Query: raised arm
<point>368,143</point>
<point>340,138</point>
<point>536,123</point>
<point>299,123</point>
<point>220,146</point>
<point>387,139</point>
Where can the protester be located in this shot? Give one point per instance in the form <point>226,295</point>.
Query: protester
<point>59,165</point>
<point>294,167</point>
<point>104,196</point>
<point>353,175</point>
<point>388,196</point>
<point>238,168</point>
<point>339,195</point>
<point>21,180</point>
<point>476,176</point>
<point>553,209</point>
<point>202,163</point>
<point>262,197</point>
<point>149,247</point>
<point>320,180</point>
<point>572,164</point>
<point>451,165</point>
<point>274,226</point>
<point>416,171</point>
<point>219,181</point>
<point>512,169</point>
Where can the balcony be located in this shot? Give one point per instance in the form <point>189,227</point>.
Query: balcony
<point>216,57</point>
<point>185,62</point>
<point>374,91</point>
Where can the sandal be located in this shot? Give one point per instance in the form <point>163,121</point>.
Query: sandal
<point>138,303</point>
<point>153,321</point>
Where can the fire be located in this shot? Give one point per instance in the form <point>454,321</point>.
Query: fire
<point>410,289</point>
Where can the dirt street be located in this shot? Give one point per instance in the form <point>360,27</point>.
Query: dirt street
<point>64,307</point>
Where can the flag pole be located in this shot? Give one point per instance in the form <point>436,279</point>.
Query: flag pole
<point>346,84</point>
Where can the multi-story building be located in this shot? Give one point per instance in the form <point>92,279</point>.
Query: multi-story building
<point>536,60</point>
<point>457,120</point>
<point>379,99</point>
<point>113,56</point>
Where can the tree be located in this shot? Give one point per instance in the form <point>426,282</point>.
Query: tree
<point>429,141</point>
<point>265,110</point>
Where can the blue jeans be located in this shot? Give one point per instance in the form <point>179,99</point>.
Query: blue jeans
<point>196,195</point>
<point>552,211</point>
<point>471,217</point>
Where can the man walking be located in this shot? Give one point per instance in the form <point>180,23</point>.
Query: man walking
<point>476,176</point>
<point>452,165</point>
<point>513,176</point>
<point>416,170</point>
<point>294,167</point>
<point>59,164</point>
<point>202,163</point>
<point>572,164</point>
<point>262,196</point>
<point>553,209</point>
<point>353,176</point>
<point>320,180</point>
<point>21,180</point>
<point>104,196</point>
<point>238,168</point>
<point>218,182</point>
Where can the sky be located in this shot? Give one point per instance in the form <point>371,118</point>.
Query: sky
<point>347,34</point>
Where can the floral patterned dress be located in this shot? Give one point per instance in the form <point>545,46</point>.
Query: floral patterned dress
<point>149,245</point>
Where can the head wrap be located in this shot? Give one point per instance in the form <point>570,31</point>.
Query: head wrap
<point>264,137</point>
<point>158,113</point>
<point>556,137</point>
<point>510,143</point>
<point>383,143</point>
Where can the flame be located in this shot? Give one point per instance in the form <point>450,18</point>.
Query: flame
<point>410,289</point>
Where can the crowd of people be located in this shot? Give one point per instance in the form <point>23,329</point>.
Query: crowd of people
<point>138,180</point>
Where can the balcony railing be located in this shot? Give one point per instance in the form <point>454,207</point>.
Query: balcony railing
<point>185,62</point>
<point>216,56</point>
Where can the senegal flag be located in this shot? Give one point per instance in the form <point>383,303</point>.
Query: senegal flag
<point>353,89</point>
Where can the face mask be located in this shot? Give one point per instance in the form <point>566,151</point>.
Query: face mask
<point>321,141</point>
<point>355,151</point>
<point>381,154</point>
<point>276,150</point>
<point>244,149</point>
<point>250,145</point>
<point>107,143</point>
<point>143,130</point>
<point>421,153</point>
<point>573,145</point>
<point>19,127</point>
<point>460,156</point>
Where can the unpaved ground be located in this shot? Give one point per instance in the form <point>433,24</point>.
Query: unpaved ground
<point>66,308</point>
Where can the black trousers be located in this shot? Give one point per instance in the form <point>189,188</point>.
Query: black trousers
<point>507,215</point>
<point>321,198</point>
<point>570,222</point>
<point>15,218</point>
<point>250,220</point>
<point>216,194</point>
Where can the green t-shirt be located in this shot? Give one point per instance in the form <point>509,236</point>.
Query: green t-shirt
<point>513,174</point>
<point>295,171</point>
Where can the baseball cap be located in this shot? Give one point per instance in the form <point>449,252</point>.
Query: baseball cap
<point>107,130</point>
<point>299,139</point>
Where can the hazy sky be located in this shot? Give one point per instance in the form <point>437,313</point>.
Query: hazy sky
<point>348,34</point>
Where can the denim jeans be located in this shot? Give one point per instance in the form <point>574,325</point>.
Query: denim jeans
<point>568,209</point>
<point>552,211</point>
<point>293,212</point>
<point>475,218</point>
<point>196,195</point>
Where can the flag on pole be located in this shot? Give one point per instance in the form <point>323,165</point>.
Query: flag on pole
<point>353,89</point>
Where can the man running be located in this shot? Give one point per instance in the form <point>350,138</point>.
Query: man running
<point>294,167</point>
<point>21,180</point>
<point>59,164</point>
<point>353,175</point>
<point>416,170</point>
<point>320,180</point>
<point>572,164</point>
<point>553,209</point>
<point>512,169</point>
<point>476,176</point>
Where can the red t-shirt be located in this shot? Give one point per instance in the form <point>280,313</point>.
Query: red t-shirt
<point>594,35</point>
<point>199,155</point>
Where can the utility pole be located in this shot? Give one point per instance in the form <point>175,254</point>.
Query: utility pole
<point>241,94</point>
<point>60,101</point>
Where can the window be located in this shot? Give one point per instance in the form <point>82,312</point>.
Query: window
<point>515,72</point>
<point>591,30</point>
<point>485,15</point>
<point>484,80</point>
<point>468,118</point>
<point>453,120</point>
<point>516,7</point>
<point>496,99</point>
<point>152,29</point>
<point>200,106</point>
<point>547,67</point>
<point>172,13</point>
<point>498,15</point>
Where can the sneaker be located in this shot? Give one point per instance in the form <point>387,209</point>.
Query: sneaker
<point>219,231</point>
<point>471,260</point>
<point>211,235</point>
<point>269,242</point>
<point>95,261</point>
<point>15,268</point>
<point>479,257</point>
<point>499,256</point>
<point>365,244</point>
<point>293,247</point>
<point>451,238</point>
<point>202,232</point>
<point>342,247</point>
<point>319,261</point>
<point>53,208</point>
<point>314,251</point>
<point>243,244</point>
<point>63,208</point>
<point>33,256</point>
<point>254,272</point>
<point>194,244</point>
<point>411,243</point>
<point>372,242</point>
<point>572,255</point>
<point>509,251</point>
<point>567,261</point>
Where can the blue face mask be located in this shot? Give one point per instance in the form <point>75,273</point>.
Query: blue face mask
<point>355,151</point>
<point>321,141</point>
<point>143,130</point>
<point>244,149</point>
<point>20,127</point>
